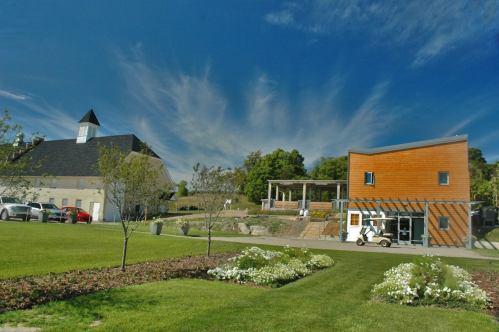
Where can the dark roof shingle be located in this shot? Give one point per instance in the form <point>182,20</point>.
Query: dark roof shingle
<point>67,158</point>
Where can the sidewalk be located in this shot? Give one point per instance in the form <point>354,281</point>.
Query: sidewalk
<point>350,246</point>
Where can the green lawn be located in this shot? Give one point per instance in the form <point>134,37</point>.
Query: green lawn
<point>335,299</point>
<point>36,248</point>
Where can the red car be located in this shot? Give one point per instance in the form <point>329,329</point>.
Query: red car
<point>83,216</point>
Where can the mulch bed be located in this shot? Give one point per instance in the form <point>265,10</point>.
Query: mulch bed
<point>25,292</point>
<point>489,282</point>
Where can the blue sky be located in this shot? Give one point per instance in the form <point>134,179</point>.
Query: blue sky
<point>210,81</point>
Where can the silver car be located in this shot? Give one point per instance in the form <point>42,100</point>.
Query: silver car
<point>11,207</point>
<point>56,214</point>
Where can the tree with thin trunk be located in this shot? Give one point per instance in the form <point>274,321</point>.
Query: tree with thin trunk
<point>213,187</point>
<point>15,160</point>
<point>130,182</point>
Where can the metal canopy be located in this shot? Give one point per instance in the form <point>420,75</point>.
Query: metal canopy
<point>404,201</point>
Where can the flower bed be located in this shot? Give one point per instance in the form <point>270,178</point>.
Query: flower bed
<point>24,292</point>
<point>271,268</point>
<point>428,281</point>
<point>319,214</point>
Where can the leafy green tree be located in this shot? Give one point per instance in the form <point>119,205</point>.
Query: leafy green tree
<point>494,185</point>
<point>127,180</point>
<point>330,168</point>
<point>475,154</point>
<point>251,159</point>
<point>482,177</point>
<point>477,165</point>
<point>182,189</point>
<point>15,160</point>
<point>278,165</point>
<point>213,187</point>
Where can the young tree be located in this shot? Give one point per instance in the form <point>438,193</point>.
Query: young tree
<point>213,187</point>
<point>15,160</point>
<point>128,179</point>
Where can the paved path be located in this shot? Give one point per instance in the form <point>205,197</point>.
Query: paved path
<point>334,245</point>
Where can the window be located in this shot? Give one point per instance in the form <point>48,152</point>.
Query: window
<point>368,216</point>
<point>78,203</point>
<point>54,183</point>
<point>64,202</point>
<point>81,183</point>
<point>51,200</point>
<point>443,223</point>
<point>37,182</point>
<point>443,178</point>
<point>354,220</point>
<point>369,178</point>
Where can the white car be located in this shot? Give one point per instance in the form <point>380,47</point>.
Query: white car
<point>11,207</point>
<point>56,214</point>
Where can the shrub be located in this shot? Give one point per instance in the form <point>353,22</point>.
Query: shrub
<point>271,268</point>
<point>427,281</point>
<point>319,214</point>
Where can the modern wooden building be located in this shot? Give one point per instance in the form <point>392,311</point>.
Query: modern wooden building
<point>423,187</point>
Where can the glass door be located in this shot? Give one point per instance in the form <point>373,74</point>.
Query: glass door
<point>404,230</point>
<point>417,229</point>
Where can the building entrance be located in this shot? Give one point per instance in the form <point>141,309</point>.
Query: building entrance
<point>408,227</point>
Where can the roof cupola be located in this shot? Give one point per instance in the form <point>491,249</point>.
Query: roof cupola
<point>88,127</point>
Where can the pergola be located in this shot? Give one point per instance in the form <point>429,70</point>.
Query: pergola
<point>281,186</point>
<point>403,202</point>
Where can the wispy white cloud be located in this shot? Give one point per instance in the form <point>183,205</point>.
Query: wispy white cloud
<point>13,96</point>
<point>429,28</point>
<point>464,123</point>
<point>194,119</point>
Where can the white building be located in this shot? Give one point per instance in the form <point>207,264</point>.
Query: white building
<point>68,176</point>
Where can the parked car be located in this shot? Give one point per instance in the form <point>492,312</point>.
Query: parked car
<point>83,216</point>
<point>56,214</point>
<point>11,207</point>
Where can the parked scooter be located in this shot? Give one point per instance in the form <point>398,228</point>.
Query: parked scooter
<point>381,238</point>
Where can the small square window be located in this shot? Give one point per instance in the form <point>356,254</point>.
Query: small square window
<point>37,183</point>
<point>443,178</point>
<point>51,201</point>
<point>443,223</point>
<point>354,219</point>
<point>54,183</point>
<point>64,202</point>
<point>80,184</point>
<point>369,178</point>
<point>78,203</point>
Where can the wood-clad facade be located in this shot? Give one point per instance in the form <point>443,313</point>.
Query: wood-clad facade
<point>394,182</point>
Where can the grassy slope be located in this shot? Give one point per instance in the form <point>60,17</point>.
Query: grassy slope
<point>239,202</point>
<point>332,299</point>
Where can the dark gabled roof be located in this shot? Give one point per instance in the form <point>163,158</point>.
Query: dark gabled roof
<point>67,158</point>
<point>90,117</point>
<point>438,141</point>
